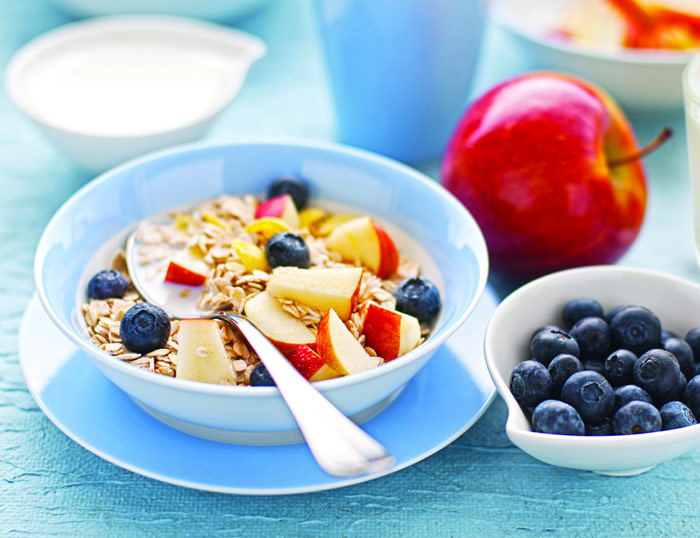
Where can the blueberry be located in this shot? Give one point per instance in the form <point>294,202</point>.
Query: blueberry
<point>618,367</point>
<point>590,394</point>
<point>595,366</point>
<point>677,392</point>
<point>575,310</point>
<point>628,393</point>
<point>297,188</point>
<point>665,335</point>
<point>691,395</point>
<point>636,417</point>
<point>530,383</point>
<point>107,284</point>
<point>561,368</point>
<point>260,377</point>
<point>602,428</point>
<point>684,355</point>
<point>693,339</point>
<point>593,338</point>
<point>545,328</point>
<point>553,416</point>
<point>656,372</point>
<point>547,344</point>
<point>418,297</point>
<point>676,414</point>
<point>637,329</point>
<point>287,249</point>
<point>144,328</point>
<point>612,313</point>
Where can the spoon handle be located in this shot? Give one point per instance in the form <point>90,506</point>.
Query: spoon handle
<point>339,446</point>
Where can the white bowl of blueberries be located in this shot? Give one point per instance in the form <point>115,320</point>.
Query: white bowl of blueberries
<point>598,368</point>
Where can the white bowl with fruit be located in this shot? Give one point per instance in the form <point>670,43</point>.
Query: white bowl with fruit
<point>600,445</point>
<point>302,277</point>
<point>591,38</point>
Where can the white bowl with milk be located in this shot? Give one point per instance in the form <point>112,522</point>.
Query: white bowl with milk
<point>109,89</point>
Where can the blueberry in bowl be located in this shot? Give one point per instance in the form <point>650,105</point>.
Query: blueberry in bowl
<point>643,304</point>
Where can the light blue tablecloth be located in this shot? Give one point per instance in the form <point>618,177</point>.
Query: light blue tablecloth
<point>479,485</point>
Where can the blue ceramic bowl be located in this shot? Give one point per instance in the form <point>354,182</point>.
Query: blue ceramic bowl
<point>452,253</point>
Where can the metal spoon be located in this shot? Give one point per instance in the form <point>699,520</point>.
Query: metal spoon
<point>339,446</point>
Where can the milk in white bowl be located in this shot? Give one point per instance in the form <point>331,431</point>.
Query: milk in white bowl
<point>109,89</point>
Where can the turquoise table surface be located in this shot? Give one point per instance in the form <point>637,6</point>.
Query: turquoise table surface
<point>479,485</point>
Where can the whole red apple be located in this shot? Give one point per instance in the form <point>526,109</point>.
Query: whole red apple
<point>539,161</point>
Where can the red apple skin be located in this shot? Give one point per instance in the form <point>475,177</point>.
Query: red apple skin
<point>306,361</point>
<point>382,329</point>
<point>388,253</point>
<point>177,274</point>
<point>274,207</point>
<point>529,161</point>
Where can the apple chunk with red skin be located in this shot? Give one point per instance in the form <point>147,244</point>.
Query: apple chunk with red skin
<point>539,161</point>
<point>390,333</point>
<point>319,288</point>
<point>282,329</point>
<point>309,364</point>
<point>338,348</point>
<point>362,240</point>
<point>187,268</point>
<point>201,355</point>
<point>281,207</point>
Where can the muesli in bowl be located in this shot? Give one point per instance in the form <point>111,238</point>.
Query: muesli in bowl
<point>330,290</point>
<point>426,223</point>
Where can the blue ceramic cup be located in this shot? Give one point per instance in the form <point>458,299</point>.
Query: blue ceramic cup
<point>400,71</point>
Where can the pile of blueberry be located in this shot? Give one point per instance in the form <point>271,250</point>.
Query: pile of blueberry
<point>610,374</point>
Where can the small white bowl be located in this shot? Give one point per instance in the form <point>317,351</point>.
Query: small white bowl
<point>677,304</point>
<point>647,79</point>
<point>109,89</point>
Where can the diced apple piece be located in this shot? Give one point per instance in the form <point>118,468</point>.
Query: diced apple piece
<point>338,348</point>
<point>188,268</point>
<point>364,241</point>
<point>319,288</point>
<point>251,256</point>
<point>284,330</point>
<point>281,207</point>
<point>309,364</point>
<point>390,333</point>
<point>201,355</point>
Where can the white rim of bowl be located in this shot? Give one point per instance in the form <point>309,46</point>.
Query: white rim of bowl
<point>103,26</point>
<point>502,386</point>
<point>204,388</point>
<point>630,56</point>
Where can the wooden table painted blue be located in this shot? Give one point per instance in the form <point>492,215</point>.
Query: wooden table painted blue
<point>479,485</point>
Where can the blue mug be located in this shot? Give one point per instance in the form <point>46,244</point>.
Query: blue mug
<point>400,71</point>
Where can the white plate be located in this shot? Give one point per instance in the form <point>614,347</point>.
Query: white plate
<point>442,401</point>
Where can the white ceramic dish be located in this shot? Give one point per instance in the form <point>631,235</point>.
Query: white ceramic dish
<point>454,386</point>
<point>649,80</point>
<point>215,10</point>
<point>675,301</point>
<point>435,223</point>
<point>109,89</point>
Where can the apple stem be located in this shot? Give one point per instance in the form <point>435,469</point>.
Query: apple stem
<point>664,135</point>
